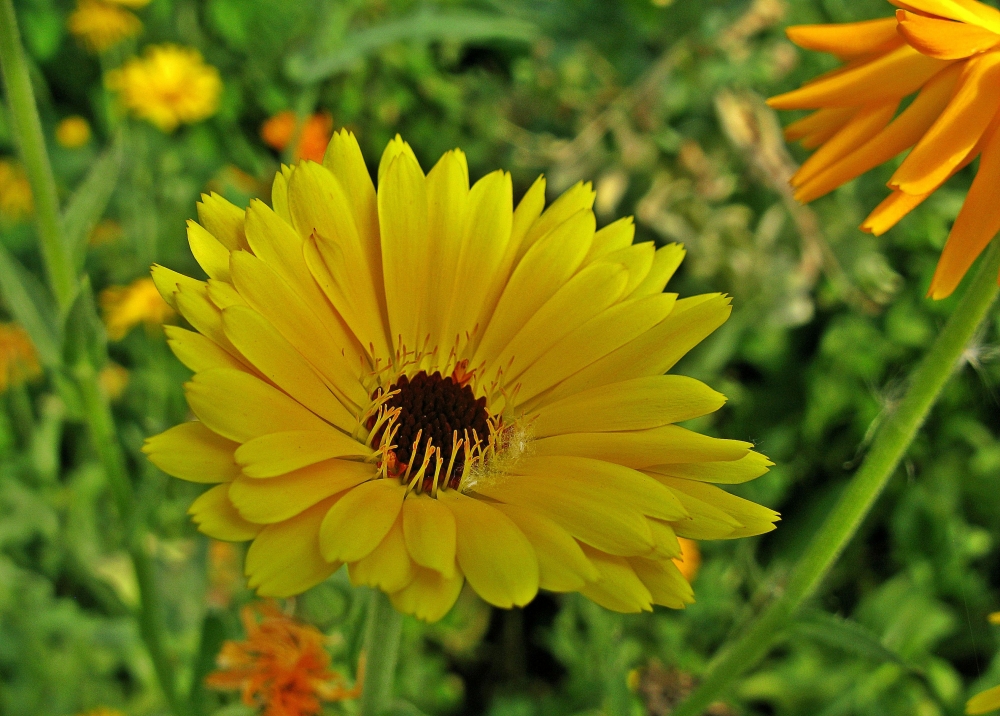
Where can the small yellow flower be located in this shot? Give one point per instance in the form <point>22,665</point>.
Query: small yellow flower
<point>127,306</point>
<point>113,380</point>
<point>428,385</point>
<point>73,132</point>
<point>947,54</point>
<point>168,86</point>
<point>18,359</point>
<point>16,201</point>
<point>105,232</point>
<point>100,25</point>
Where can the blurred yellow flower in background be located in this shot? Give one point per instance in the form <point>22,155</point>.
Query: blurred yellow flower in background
<point>18,358</point>
<point>113,380</point>
<point>169,85</point>
<point>73,132</point>
<point>456,390</point>
<point>100,25</point>
<point>16,201</point>
<point>127,306</point>
<point>281,665</point>
<point>316,132</point>
<point>948,52</point>
<point>134,4</point>
<point>106,231</point>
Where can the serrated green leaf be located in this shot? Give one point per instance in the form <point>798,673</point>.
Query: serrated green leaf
<point>423,26</point>
<point>31,306</point>
<point>90,200</point>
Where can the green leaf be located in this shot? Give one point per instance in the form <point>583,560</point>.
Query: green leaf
<point>213,634</point>
<point>846,635</point>
<point>423,26</point>
<point>31,306</point>
<point>85,338</point>
<point>90,200</point>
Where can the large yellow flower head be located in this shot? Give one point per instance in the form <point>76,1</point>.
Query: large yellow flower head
<point>946,51</point>
<point>432,386</point>
<point>100,25</point>
<point>168,86</point>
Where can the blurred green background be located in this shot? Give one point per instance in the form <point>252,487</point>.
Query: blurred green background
<point>659,103</point>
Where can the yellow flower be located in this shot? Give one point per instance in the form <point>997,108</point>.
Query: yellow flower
<point>125,307</point>
<point>113,380</point>
<point>18,359</point>
<point>16,201</point>
<point>100,25</point>
<point>433,387</point>
<point>167,86</point>
<point>73,132</point>
<point>946,51</point>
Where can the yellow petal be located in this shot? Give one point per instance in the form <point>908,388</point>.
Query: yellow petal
<point>728,472</point>
<point>223,220</point>
<point>956,131</point>
<point>665,582</point>
<point>167,281</point>
<point>985,702</point>
<point>216,517</point>
<point>642,448</point>
<point>192,452</point>
<point>579,197</point>
<point>665,263</point>
<point>223,295</point>
<point>616,236</point>
<point>280,363</point>
<point>402,211</point>
<point>903,132</point>
<point>279,453</point>
<point>618,588</point>
<point>240,407</point>
<point>629,405</point>
<point>893,75</point>
<point>944,39</point>
<point>197,352</point>
<point>667,546</point>
<point>591,291</point>
<point>393,149</point>
<point>344,160</point>
<point>320,343</point>
<point>976,225</point>
<point>497,559</point>
<point>208,251</point>
<point>543,270</point>
<point>196,308</point>
<point>279,193</point>
<point>562,565</point>
<point>970,11</point>
<point>600,336</point>
<point>429,596</point>
<point>278,498</point>
<point>846,40</point>
<point>285,560</point>
<point>654,352</point>
<point>389,566</point>
<point>360,519</point>
<point>637,259</point>
<point>525,215</point>
<point>429,528</point>
<point>572,504</point>
<point>821,124</point>
<point>892,209</point>
<point>756,519</point>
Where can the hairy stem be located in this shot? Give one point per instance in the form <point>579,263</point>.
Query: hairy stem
<point>890,445</point>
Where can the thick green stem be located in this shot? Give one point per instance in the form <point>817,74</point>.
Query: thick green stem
<point>31,145</point>
<point>890,445</point>
<point>381,652</point>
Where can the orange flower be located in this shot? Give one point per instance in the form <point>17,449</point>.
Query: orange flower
<point>316,132</point>
<point>690,560</point>
<point>946,51</point>
<point>282,665</point>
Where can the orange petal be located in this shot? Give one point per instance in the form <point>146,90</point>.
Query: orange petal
<point>902,133</point>
<point>977,223</point>
<point>970,11</point>
<point>890,76</point>
<point>944,39</point>
<point>868,122</point>
<point>829,120</point>
<point>957,130</point>
<point>893,208</point>
<point>845,40</point>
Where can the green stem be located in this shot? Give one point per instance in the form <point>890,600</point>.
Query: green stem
<point>381,652</point>
<point>890,445</point>
<point>101,424</point>
<point>31,144</point>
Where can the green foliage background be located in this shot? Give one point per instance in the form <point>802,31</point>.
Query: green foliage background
<point>659,104</point>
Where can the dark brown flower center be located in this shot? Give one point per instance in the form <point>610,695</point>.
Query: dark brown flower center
<point>435,408</point>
